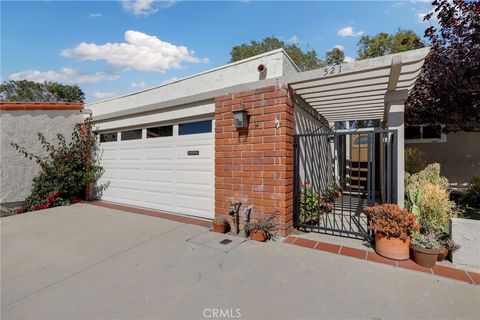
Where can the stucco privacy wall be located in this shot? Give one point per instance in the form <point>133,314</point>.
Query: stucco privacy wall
<point>459,156</point>
<point>466,233</point>
<point>20,123</point>
<point>244,71</point>
<point>255,165</point>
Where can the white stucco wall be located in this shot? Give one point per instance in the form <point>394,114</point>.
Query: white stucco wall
<point>16,171</point>
<point>466,233</point>
<point>244,71</point>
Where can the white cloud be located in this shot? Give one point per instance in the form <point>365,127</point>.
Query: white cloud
<point>146,7</point>
<point>64,75</point>
<point>339,46</point>
<point>140,84</point>
<point>348,59</point>
<point>103,94</point>
<point>95,15</point>
<point>349,32</point>
<point>140,52</point>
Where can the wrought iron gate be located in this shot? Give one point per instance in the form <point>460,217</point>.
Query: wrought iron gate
<point>337,174</point>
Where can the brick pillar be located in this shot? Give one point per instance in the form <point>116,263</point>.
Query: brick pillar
<point>255,165</point>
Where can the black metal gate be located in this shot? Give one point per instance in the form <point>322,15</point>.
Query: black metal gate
<point>337,174</point>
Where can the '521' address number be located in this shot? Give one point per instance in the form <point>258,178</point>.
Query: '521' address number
<point>332,70</point>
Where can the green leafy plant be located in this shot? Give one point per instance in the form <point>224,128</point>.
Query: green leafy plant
<point>426,196</point>
<point>309,204</point>
<point>435,209</point>
<point>426,241</point>
<point>472,196</point>
<point>267,225</point>
<point>66,170</point>
<point>392,221</point>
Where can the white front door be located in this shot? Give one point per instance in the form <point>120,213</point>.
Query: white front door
<point>164,167</point>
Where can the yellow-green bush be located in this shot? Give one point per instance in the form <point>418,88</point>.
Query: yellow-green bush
<point>435,209</point>
<point>427,197</point>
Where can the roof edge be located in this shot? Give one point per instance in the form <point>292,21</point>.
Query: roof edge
<point>23,105</point>
<point>265,54</point>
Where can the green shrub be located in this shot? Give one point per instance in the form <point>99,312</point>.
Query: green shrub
<point>309,204</point>
<point>66,170</point>
<point>472,196</point>
<point>427,197</point>
<point>435,209</point>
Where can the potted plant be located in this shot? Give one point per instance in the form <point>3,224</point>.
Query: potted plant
<point>262,229</point>
<point>220,225</point>
<point>425,249</point>
<point>309,205</point>
<point>393,227</point>
<point>447,246</point>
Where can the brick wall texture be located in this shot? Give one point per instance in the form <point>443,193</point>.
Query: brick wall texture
<point>255,165</point>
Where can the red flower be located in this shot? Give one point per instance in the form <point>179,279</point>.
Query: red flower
<point>22,210</point>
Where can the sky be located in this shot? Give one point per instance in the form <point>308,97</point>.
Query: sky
<point>111,48</point>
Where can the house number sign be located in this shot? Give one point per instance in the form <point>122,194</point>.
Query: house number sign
<point>332,70</point>
<point>193,152</point>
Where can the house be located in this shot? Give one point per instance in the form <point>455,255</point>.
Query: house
<point>20,123</point>
<point>258,132</point>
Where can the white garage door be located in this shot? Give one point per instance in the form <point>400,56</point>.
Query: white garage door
<point>168,167</point>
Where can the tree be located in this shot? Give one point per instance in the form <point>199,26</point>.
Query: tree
<point>334,56</point>
<point>384,43</point>
<point>448,89</point>
<point>304,60</point>
<point>25,90</point>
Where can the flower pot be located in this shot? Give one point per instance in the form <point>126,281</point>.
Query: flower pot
<point>442,254</point>
<point>219,227</point>
<point>338,194</point>
<point>425,257</point>
<point>258,235</point>
<point>392,248</point>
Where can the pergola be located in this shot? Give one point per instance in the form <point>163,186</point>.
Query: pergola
<point>360,90</point>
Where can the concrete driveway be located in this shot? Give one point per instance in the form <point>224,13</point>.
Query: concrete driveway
<point>88,262</point>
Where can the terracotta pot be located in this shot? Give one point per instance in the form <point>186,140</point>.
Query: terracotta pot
<point>220,227</point>
<point>425,257</point>
<point>442,254</point>
<point>338,194</point>
<point>392,248</point>
<point>258,235</point>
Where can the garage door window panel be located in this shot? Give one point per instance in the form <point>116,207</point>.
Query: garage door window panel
<point>131,135</point>
<point>156,132</point>
<point>108,137</point>
<point>204,126</point>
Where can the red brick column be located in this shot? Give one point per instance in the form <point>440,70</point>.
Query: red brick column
<point>255,165</point>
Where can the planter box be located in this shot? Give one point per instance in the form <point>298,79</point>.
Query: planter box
<point>466,233</point>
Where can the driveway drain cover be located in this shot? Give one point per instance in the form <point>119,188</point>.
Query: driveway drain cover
<point>223,242</point>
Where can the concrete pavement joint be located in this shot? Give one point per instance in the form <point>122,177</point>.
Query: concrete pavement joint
<point>92,265</point>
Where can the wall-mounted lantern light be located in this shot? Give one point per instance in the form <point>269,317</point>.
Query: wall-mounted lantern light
<point>240,119</point>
